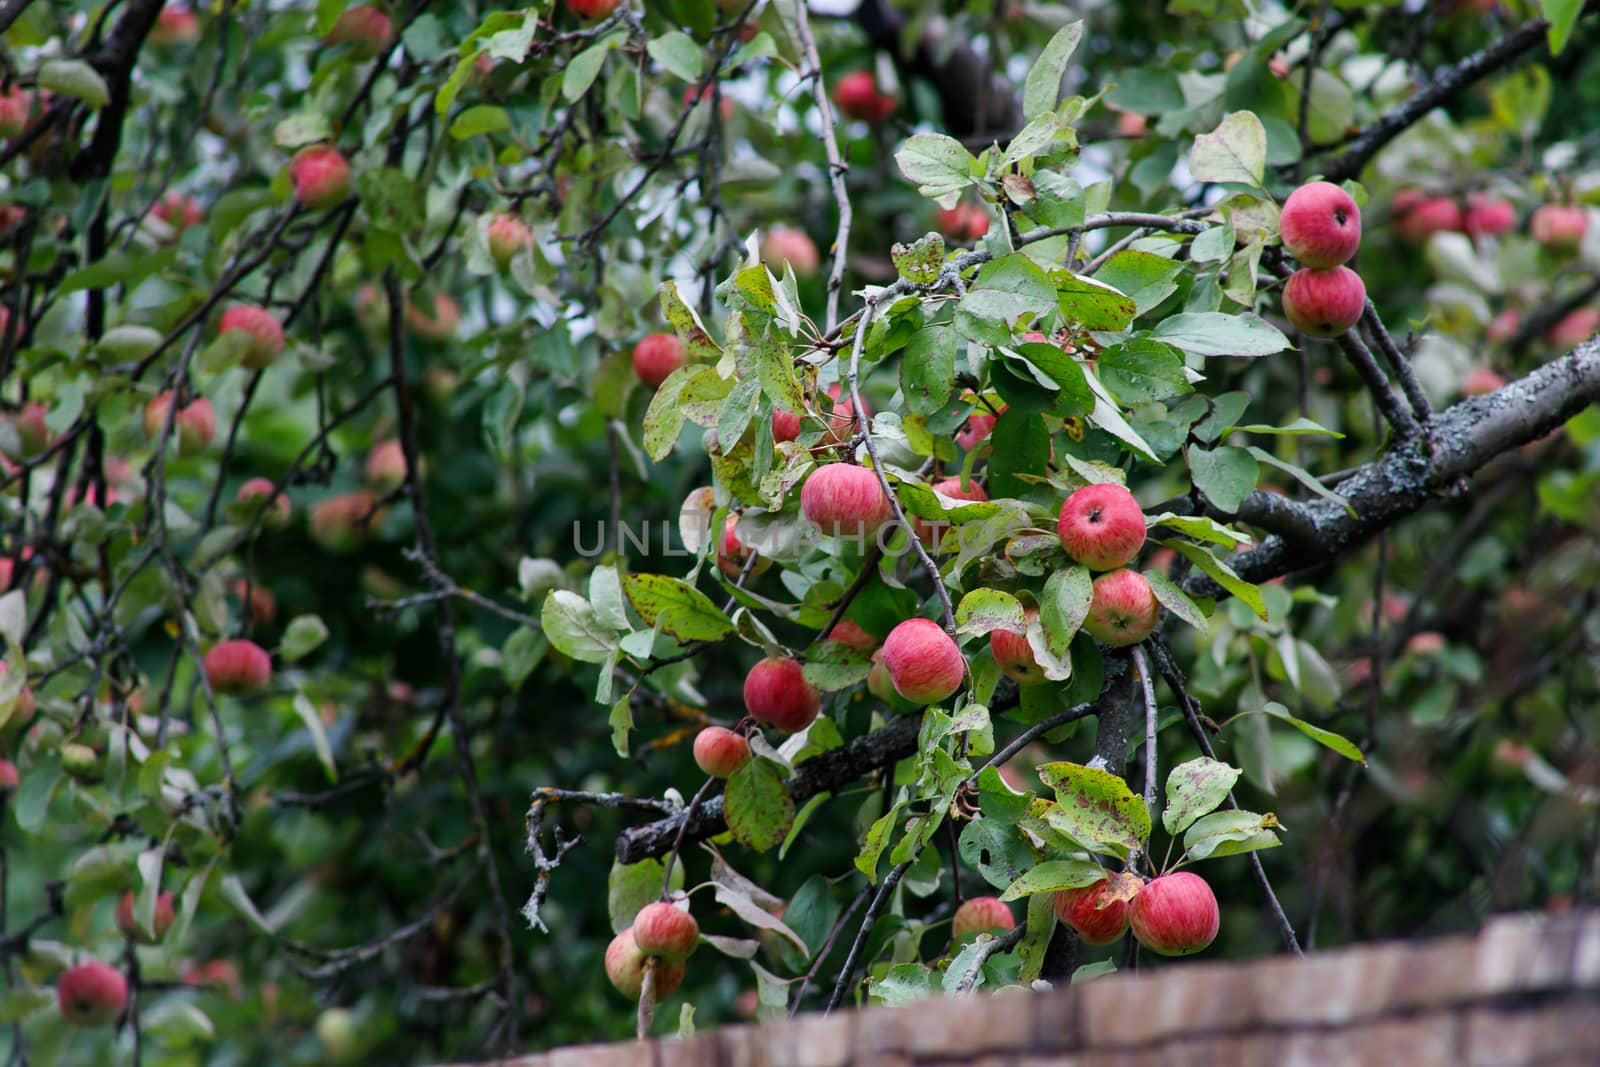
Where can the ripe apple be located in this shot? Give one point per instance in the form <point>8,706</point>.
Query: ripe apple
<point>1489,216</point>
<point>1324,303</point>
<point>507,235</point>
<point>178,210</point>
<point>733,553</point>
<point>1175,915</point>
<point>258,489</point>
<point>320,176</point>
<point>977,428</point>
<point>785,426</point>
<point>923,662</point>
<point>263,329</point>
<point>365,28</point>
<point>196,422</point>
<point>1481,380</point>
<point>237,666</point>
<point>1503,327</point>
<point>258,600</point>
<point>932,532</point>
<point>848,633</point>
<point>842,415</point>
<point>1101,526</point>
<point>1014,655</point>
<point>15,103</point>
<point>666,932</point>
<point>33,435</point>
<point>786,244</point>
<point>857,96</point>
<point>441,324</point>
<point>1132,124</point>
<point>1574,328</point>
<point>385,469</point>
<point>719,751</point>
<point>9,778</point>
<point>1426,216</point>
<point>91,994</point>
<point>625,967</point>
<point>845,500</point>
<point>1095,920</point>
<point>1559,227</point>
<point>656,357</point>
<point>593,9</point>
<point>724,104</point>
<point>1321,225</point>
<point>164,918</point>
<point>964,222</point>
<point>1124,610</point>
<point>979,915</point>
<point>340,522</point>
<point>176,24</point>
<point>777,694</point>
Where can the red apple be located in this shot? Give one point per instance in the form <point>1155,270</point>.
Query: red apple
<point>785,426</point>
<point>507,235</point>
<point>32,433</point>
<point>1132,124</point>
<point>441,324</point>
<point>979,915</point>
<point>178,210</point>
<point>777,694</point>
<point>592,9</point>
<point>977,428</point>
<point>258,489</point>
<point>1427,216</point>
<point>848,633</point>
<point>176,24</point>
<point>1559,227</point>
<point>196,422</point>
<point>733,553</point>
<point>1321,225</point>
<point>666,932</point>
<point>164,918</point>
<point>320,176</point>
<point>923,662</point>
<point>1503,327</point>
<point>857,96</point>
<point>845,500</point>
<point>931,532</point>
<point>8,776</point>
<point>1094,919</point>
<point>842,416</point>
<point>15,104</point>
<point>625,965</point>
<point>1481,380</point>
<point>719,751</point>
<point>964,222</point>
<point>238,666</point>
<point>385,469</point>
<point>1175,915</point>
<point>365,28</point>
<point>785,244</point>
<point>1324,303</point>
<point>1489,216</point>
<point>724,105</point>
<point>91,994</point>
<point>1101,526</point>
<point>263,329</point>
<point>1574,328</point>
<point>1014,655</point>
<point>656,357</point>
<point>340,522</point>
<point>1124,610</point>
<point>261,604</point>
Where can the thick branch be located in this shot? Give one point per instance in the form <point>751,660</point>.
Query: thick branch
<point>1418,470</point>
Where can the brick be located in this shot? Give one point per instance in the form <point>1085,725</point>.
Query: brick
<point>1055,1020</point>
<point>1522,953</point>
<point>810,1041</point>
<point>628,1054</point>
<point>1506,1036</point>
<point>1139,1009</point>
<point>698,1051</point>
<point>968,1026</point>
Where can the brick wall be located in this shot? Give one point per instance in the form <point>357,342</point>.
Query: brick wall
<point>1525,991</point>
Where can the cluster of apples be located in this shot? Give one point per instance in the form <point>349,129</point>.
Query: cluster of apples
<point>662,935</point>
<point>1321,227</point>
<point>1174,915</point>
<point>1419,215</point>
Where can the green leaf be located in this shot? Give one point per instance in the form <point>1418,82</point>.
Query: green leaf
<point>1143,371</point>
<point>570,625</point>
<point>1096,808</point>
<point>1203,529</point>
<point>928,370</point>
<point>235,894</point>
<point>1333,107</point>
<point>1147,278</point>
<point>1042,88</point>
<point>1299,427</point>
<point>1236,151</point>
<point>1008,291</point>
<point>1093,304</point>
<point>521,654</point>
<point>305,633</point>
<point>75,78</point>
<point>631,886</point>
<point>678,55</point>
<point>621,722</point>
<point>937,165</point>
<point>297,131</point>
<point>312,720</point>
<point>1303,476</point>
<point>983,610</point>
<point>178,1023</point>
<point>677,607</point>
<point>1327,738</point>
<point>756,805</point>
<point>1053,876</point>
<point>1225,475</point>
<point>1229,833</point>
<point>1213,333</point>
<point>1176,600</point>
<point>997,850</point>
<point>664,419</point>
<point>119,268</point>
<point>919,262</point>
<point>479,120</point>
<point>1194,789</point>
<point>1063,605</point>
<point>1221,573</point>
